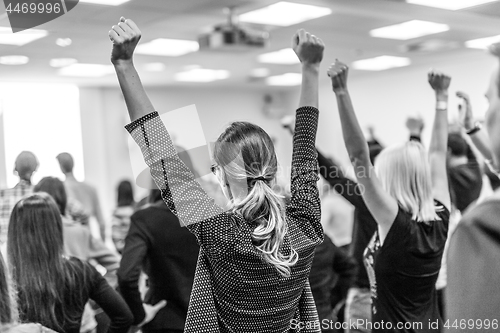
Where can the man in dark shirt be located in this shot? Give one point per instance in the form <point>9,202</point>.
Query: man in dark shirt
<point>167,252</point>
<point>358,304</point>
<point>464,173</point>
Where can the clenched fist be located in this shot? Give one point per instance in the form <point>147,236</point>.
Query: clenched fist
<point>439,82</point>
<point>308,48</point>
<point>338,74</point>
<point>125,36</point>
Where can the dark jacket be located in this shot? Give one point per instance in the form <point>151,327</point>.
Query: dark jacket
<point>167,253</point>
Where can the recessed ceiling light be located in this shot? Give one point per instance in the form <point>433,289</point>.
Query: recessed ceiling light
<point>409,30</point>
<point>154,67</point>
<point>284,57</point>
<point>14,60</point>
<point>86,70</point>
<point>63,42</point>
<point>450,4</point>
<point>20,38</point>
<point>381,63</point>
<point>62,62</point>
<point>482,43</point>
<point>259,72</point>
<point>287,79</point>
<point>284,14</point>
<point>106,2</point>
<point>202,75</point>
<point>167,47</point>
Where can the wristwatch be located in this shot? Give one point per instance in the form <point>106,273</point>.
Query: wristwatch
<point>475,129</point>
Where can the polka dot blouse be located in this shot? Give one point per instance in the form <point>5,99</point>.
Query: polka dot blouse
<point>234,289</point>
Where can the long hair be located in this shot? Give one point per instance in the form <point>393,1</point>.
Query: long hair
<point>8,309</point>
<point>125,194</point>
<point>405,174</point>
<point>245,153</point>
<point>48,284</point>
<point>55,188</point>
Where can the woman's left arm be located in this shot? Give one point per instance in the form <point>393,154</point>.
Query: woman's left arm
<point>439,142</point>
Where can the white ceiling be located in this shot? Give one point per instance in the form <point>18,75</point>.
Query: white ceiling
<point>345,32</point>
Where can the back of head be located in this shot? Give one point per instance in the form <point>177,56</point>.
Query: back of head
<point>55,188</point>
<point>26,163</point>
<point>245,154</point>
<point>457,145</point>
<point>35,251</point>
<point>66,162</point>
<point>125,194</point>
<point>404,172</point>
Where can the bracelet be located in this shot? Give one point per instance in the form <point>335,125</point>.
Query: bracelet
<point>475,129</point>
<point>441,105</point>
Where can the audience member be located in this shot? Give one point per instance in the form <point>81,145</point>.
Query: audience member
<point>473,260</point>
<point>168,253</point>
<point>26,164</point>
<point>53,289</point>
<point>409,199</point>
<point>83,192</point>
<point>252,274</point>
<point>120,222</point>
<point>8,307</point>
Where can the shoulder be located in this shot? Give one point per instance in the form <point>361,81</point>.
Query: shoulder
<point>484,215</point>
<point>441,211</point>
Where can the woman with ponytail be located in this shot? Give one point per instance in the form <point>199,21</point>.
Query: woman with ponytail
<point>255,258</point>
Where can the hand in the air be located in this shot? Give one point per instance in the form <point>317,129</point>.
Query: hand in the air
<point>125,36</point>
<point>151,311</point>
<point>466,117</point>
<point>439,82</point>
<point>415,125</point>
<point>338,72</point>
<point>308,48</point>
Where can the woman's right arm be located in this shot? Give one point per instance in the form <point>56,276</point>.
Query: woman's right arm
<point>382,206</point>
<point>304,202</point>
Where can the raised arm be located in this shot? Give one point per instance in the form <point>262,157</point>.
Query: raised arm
<point>478,136</point>
<point>181,192</point>
<point>304,201</point>
<point>439,141</point>
<point>382,206</point>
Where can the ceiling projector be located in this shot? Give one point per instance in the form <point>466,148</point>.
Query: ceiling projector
<point>232,36</point>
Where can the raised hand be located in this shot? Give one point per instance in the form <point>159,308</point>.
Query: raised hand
<point>151,311</point>
<point>466,117</point>
<point>495,49</point>
<point>308,48</point>
<point>288,122</point>
<point>338,74</point>
<point>125,36</point>
<point>439,82</point>
<point>415,125</point>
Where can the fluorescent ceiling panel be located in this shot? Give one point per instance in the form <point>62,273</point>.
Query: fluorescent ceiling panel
<point>154,67</point>
<point>20,38</point>
<point>86,70</point>
<point>381,63</point>
<point>259,72</point>
<point>450,4</point>
<point>14,60</point>
<point>283,57</point>
<point>409,30</point>
<point>482,43</point>
<point>202,75</point>
<point>106,2</point>
<point>284,14</point>
<point>62,62</point>
<point>287,79</point>
<point>167,47</point>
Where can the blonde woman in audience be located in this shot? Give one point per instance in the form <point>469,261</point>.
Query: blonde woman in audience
<point>252,272</point>
<point>407,194</point>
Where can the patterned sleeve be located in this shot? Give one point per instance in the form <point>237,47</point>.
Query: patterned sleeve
<point>304,204</point>
<point>181,192</point>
